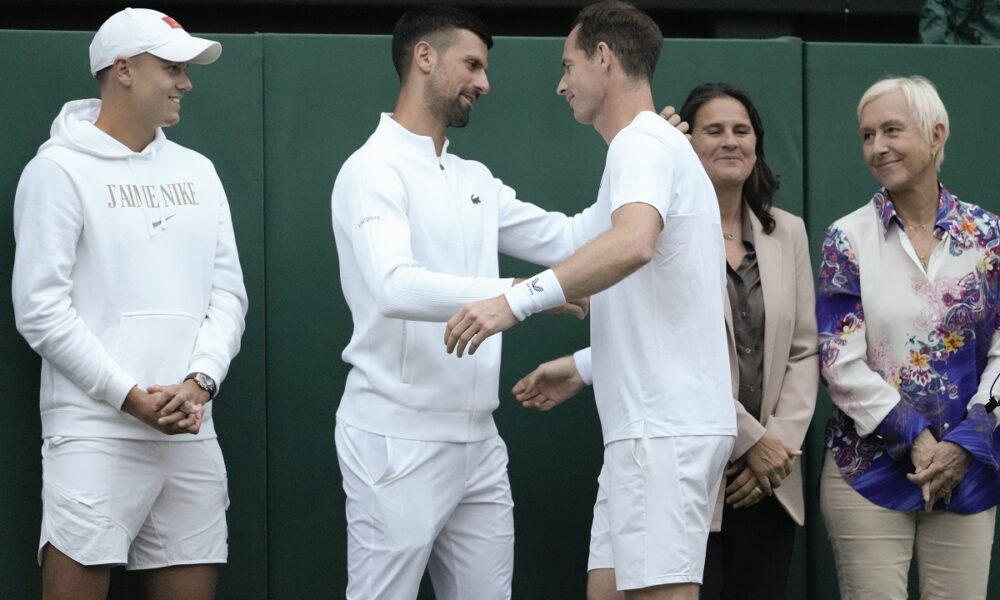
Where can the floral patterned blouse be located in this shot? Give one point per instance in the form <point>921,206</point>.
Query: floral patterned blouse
<point>903,349</point>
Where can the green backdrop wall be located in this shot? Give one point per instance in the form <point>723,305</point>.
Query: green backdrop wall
<point>278,114</point>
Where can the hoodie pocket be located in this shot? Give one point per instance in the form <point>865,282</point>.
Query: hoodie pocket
<point>156,347</point>
<point>406,357</point>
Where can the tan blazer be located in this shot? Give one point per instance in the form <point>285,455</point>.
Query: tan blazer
<point>791,363</point>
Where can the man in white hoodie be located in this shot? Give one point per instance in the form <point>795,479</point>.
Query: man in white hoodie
<point>128,284</point>
<point>418,230</point>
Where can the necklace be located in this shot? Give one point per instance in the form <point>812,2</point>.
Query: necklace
<point>917,226</point>
<point>918,234</point>
<point>928,246</point>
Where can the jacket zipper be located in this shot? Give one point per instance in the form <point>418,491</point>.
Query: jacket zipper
<point>465,260</point>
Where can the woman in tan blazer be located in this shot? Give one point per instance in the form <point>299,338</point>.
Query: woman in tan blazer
<point>770,317</point>
<point>771,323</point>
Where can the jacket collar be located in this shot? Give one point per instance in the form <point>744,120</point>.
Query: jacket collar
<point>406,140</point>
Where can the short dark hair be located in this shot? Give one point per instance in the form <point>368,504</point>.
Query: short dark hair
<point>418,23</point>
<point>760,186</point>
<point>630,33</point>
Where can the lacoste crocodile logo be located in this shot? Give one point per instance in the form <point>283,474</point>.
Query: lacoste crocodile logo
<point>475,199</point>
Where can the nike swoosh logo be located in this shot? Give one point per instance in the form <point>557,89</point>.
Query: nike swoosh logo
<point>157,223</point>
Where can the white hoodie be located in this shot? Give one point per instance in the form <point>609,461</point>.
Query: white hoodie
<point>126,273</point>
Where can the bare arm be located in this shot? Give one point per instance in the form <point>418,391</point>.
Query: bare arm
<point>613,255</point>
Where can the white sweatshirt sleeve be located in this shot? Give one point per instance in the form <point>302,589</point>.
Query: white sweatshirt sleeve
<point>220,333</point>
<point>369,207</point>
<point>541,237</point>
<point>48,221</point>
<point>582,360</point>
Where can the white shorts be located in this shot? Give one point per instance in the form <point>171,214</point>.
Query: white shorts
<point>136,503</point>
<point>655,500</point>
<point>412,505</point>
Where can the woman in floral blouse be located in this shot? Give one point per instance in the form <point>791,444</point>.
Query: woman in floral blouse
<point>909,324</point>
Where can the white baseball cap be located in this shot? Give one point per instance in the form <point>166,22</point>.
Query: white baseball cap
<point>136,30</point>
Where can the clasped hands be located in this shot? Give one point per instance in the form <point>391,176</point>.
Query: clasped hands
<point>759,472</point>
<point>939,466</point>
<point>171,409</point>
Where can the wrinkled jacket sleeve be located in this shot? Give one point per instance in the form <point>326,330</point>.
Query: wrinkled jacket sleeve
<point>370,206</point>
<point>544,238</point>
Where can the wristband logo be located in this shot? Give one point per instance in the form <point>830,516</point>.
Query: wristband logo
<point>534,288</point>
<point>474,198</point>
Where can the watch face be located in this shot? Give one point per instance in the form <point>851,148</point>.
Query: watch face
<point>204,382</point>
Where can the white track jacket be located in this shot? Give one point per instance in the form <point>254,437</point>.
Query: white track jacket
<point>417,238</point>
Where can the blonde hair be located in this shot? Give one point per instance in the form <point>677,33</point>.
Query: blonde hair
<point>925,104</point>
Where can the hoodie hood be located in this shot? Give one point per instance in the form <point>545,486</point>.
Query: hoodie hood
<point>74,128</point>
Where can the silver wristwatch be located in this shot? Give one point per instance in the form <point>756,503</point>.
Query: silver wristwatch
<point>204,382</point>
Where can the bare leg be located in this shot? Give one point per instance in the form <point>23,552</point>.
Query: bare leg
<point>601,585</point>
<point>191,582</point>
<point>670,591</point>
<point>63,578</point>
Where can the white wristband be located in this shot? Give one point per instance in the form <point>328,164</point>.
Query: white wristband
<point>535,294</point>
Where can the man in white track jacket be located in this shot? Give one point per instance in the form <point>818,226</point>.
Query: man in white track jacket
<point>418,230</point>
<point>128,284</point>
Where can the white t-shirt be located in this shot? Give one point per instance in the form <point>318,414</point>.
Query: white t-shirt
<point>660,361</point>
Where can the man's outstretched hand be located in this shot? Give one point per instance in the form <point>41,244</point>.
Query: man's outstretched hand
<point>475,322</point>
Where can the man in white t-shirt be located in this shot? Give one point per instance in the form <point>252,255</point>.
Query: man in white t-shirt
<point>656,278</point>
